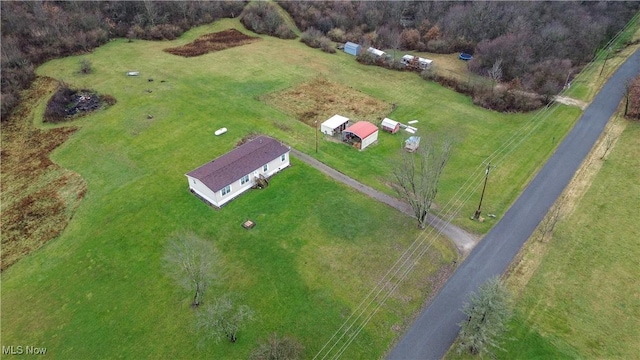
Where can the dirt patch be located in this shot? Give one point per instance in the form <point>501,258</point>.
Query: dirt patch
<point>212,42</point>
<point>38,197</point>
<point>67,104</point>
<point>571,102</point>
<point>319,99</point>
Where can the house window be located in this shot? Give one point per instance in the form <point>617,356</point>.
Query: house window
<point>244,180</point>
<point>226,190</point>
<point>283,157</point>
<point>265,167</point>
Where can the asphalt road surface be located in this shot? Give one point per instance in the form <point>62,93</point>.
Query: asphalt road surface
<point>436,328</point>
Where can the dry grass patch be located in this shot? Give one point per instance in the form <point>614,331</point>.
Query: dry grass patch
<point>212,42</point>
<point>319,99</point>
<point>38,196</point>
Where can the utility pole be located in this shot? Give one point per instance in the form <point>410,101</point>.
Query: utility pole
<point>476,216</point>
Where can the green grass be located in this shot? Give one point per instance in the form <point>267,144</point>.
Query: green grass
<point>584,296</point>
<point>318,248</point>
<point>582,301</point>
<point>99,291</point>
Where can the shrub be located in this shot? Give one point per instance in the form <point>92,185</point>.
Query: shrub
<point>311,37</point>
<point>504,100</point>
<point>336,34</point>
<point>366,58</point>
<point>276,348</point>
<point>327,46</point>
<point>315,39</point>
<point>85,66</point>
<point>264,18</point>
<point>284,32</point>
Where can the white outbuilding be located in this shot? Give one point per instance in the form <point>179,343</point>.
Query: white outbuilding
<point>376,52</point>
<point>389,125</point>
<point>335,125</point>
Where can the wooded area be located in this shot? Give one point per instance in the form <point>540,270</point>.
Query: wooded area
<point>538,45</point>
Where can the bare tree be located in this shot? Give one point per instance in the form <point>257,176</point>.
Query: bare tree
<point>548,224</point>
<point>223,318</point>
<point>190,260</point>
<point>608,141</point>
<point>416,177</point>
<point>495,73</point>
<point>278,348</point>
<point>488,313</point>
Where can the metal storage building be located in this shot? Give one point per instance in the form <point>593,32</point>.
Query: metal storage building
<point>376,52</point>
<point>352,48</point>
<point>335,125</point>
<point>360,134</point>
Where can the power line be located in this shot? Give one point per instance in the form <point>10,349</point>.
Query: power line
<point>407,261</point>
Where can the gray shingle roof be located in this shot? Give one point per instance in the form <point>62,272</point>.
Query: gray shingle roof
<point>239,162</point>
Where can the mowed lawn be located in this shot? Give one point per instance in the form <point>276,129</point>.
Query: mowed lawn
<point>584,299</point>
<point>319,247</point>
<point>202,94</point>
<point>100,291</point>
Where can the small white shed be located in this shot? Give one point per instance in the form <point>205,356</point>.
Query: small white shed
<point>389,125</point>
<point>335,125</point>
<point>376,52</point>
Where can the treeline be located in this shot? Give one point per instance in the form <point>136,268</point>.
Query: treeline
<point>36,31</point>
<point>537,45</point>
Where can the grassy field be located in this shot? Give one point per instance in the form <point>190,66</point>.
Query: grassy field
<point>99,290</point>
<point>583,300</point>
<point>238,78</point>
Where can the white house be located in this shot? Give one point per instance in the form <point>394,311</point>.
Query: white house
<point>222,179</point>
<point>335,125</point>
<point>360,134</point>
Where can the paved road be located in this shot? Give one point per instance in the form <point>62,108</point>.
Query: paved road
<point>462,239</point>
<point>435,330</point>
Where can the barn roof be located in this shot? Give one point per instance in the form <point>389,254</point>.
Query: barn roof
<point>375,51</point>
<point>389,123</point>
<point>335,121</point>
<point>238,162</point>
<point>362,129</point>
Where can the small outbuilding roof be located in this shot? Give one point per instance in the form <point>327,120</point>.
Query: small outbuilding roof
<point>362,129</point>
<point>375,51</point>
<point>386,122</point>
<point>238,162</point>
<point>335,121</point>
